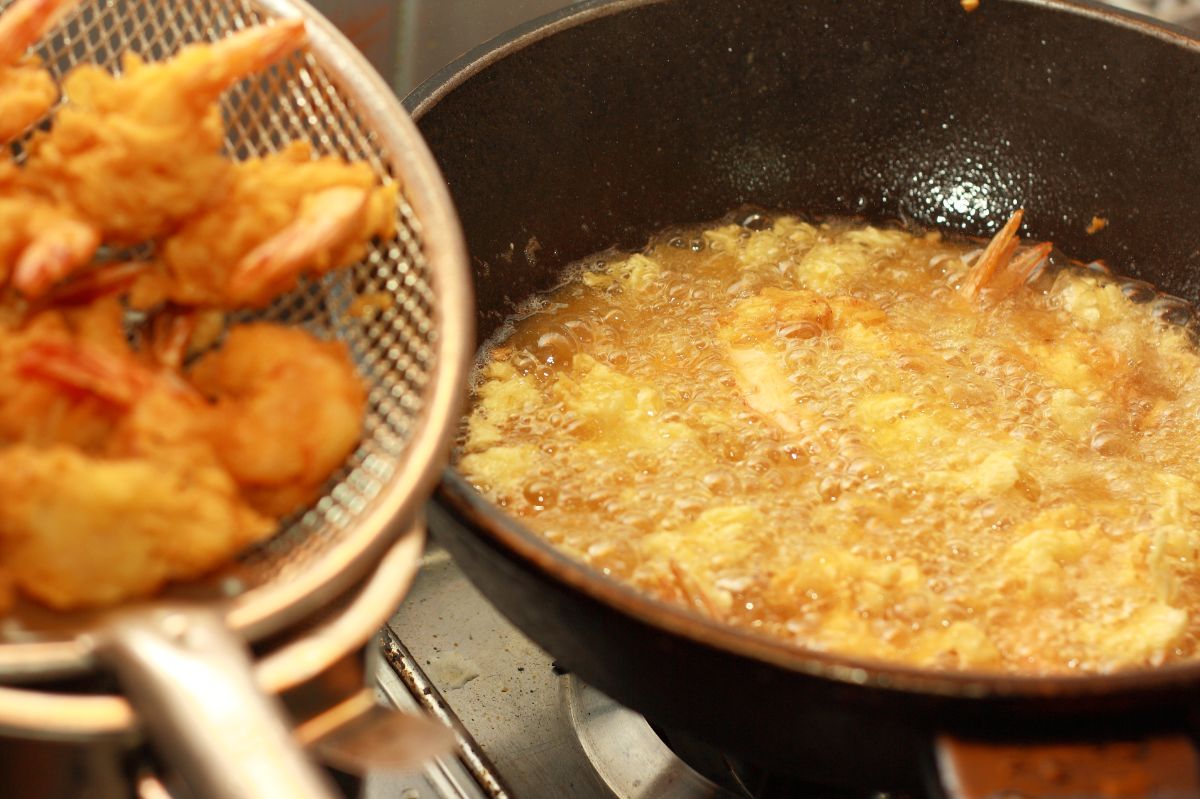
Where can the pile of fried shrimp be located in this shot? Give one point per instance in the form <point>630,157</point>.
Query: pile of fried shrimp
<point>134,454</point>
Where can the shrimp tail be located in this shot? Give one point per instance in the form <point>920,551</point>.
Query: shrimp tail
<point>209,70</point>
<point>25,22</point>
<point>59,249</point>
<point>995,257</point>
<point>1018,270</point>
<point>101,281</point>
<point>86,369</point>
<point>328,218</point>
<point>176,333</point>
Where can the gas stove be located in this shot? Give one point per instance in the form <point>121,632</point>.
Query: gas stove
<point>526,727</point>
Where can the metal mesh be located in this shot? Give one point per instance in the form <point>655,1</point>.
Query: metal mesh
<point>395,348</point>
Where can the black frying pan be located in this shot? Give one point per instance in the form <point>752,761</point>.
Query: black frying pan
<point>600,125</point>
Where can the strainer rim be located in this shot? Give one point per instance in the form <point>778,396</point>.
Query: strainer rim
<point>272,605</point>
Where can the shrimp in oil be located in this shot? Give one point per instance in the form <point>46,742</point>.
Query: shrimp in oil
<point>1003,267</point>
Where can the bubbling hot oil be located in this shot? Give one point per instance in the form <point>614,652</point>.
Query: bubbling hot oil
<point>806,430</point>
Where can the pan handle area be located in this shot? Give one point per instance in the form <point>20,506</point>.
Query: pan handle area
<point>192,684</point>
<point>1165,767</point>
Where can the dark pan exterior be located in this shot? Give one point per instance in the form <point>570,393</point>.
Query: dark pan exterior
<point>602,125</point>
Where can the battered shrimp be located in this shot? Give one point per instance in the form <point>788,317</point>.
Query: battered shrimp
<point>140,153</point>
<point>289,410</point>
<point>40,412</point>
<point>69,376</point>
<point>285,215</point>
<point>79,530</point>
<point>275,407</point>
<point>155,412</point>
<point>27,91</point>
<point>145,501</point>
<point>118,471</point>
<point>41,242</point>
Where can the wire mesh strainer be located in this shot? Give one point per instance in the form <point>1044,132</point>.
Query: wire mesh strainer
<point>413,352</point>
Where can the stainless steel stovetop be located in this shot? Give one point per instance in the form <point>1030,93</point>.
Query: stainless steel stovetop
<point>526,728</point>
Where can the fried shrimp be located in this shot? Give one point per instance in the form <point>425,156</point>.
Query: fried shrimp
<point>146,495</point>
<point>41,242</point>
<point>289,410</point>
<point>155,413</point>
<point>275,407</point>
<point>284,216</point>
<point>27,91</point>
<point>41,412</point>
<point>140,153</point>
<point>147,520</point>
<point>141,441</point>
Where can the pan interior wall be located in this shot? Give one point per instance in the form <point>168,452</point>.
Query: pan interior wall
<point>677,112</point>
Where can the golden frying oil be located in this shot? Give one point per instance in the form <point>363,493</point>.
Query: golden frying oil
<point>806,430</point>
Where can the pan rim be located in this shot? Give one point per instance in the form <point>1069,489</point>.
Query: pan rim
<point>459,497</point>
<point>430,91</point>
<point>466,502</point>
<point>34,711</point>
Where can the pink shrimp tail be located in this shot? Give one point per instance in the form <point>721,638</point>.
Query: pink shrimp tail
<point>87,369</point>
<point>56,253</point>
<point>98,282</point>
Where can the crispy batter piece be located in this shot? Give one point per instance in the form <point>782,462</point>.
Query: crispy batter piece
<point>27,90</point>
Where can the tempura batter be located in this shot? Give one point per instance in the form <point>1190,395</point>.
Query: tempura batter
<point>850,438</point>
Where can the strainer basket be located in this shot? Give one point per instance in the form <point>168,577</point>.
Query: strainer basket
<point>411,343</point>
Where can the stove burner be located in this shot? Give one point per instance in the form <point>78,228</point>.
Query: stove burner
<point>528,728</point>
<point>626,752</point>
<point>637,759</point>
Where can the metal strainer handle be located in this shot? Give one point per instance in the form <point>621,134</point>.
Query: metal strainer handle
<point>192,682</point>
